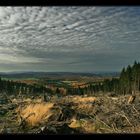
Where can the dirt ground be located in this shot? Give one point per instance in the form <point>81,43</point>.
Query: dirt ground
<point>70,114</point>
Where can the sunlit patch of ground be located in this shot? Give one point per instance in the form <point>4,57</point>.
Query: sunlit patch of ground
<point>36,113</point>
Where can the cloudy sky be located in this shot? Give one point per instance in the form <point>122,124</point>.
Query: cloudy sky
<point>74,39</point>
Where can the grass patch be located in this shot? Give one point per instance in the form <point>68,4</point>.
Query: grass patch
<point>34,114</point>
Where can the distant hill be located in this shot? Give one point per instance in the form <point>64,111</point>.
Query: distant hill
<point>58,75</point>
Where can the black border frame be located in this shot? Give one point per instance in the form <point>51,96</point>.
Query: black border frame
<point>69,3</point>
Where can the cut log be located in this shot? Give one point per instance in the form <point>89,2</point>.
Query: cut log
<point>131,99</point>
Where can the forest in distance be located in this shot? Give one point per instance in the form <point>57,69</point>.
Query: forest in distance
<point>127,83</point>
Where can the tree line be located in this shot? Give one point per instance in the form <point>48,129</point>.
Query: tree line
<point>13,87</point>
<point>127,83</point>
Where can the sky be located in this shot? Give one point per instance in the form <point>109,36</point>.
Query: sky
<point>69,39</point>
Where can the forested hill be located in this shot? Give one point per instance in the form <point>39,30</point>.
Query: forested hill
<point>11,87</point>
<point>56,75</point>
<point>127,83</point>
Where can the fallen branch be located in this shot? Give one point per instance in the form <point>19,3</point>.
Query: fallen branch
<point>110,130</point>
<point>103,122</point>
<point>114,128</point>
<point>135,110</point>
<point>123,115</point>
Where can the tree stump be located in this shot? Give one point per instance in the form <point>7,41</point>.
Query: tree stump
<point>131,99</point>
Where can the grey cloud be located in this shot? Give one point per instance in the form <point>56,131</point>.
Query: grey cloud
<point>74,38</point>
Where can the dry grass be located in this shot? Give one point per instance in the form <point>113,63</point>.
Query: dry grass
<point>79,99</point>
<point>85,107</point>
<point>87,114</point>
<point>40,112</point>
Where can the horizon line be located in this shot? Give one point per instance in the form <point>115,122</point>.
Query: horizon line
<point>60,71</point>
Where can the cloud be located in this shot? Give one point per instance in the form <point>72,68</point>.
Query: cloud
<point>69,37</point>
